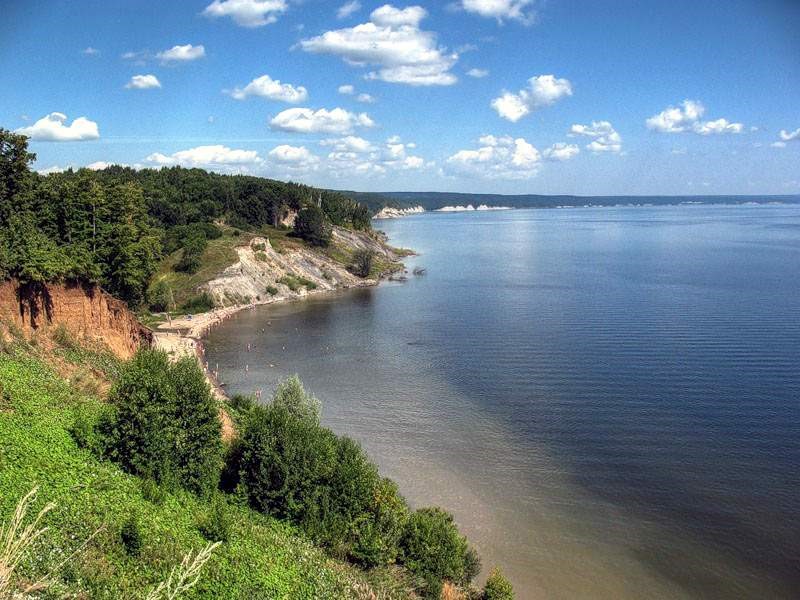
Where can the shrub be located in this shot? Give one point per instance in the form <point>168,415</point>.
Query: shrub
<point>198,304</point>
<point>310,285</point>
<point>160,296</point>
<point>290,466</point>
<point>190,260</point>
<point>312,226</point>
<point>272,290</point>
<point>215,525</point>
<point>362,262</point>
<point>290,281</point>
<point>292,396</point>
<point>63,337</point>
<point>152,492</point>
<point>84,432</point>
<point>284,463</point>
<point>433,548</point>
<point>260,247</point>
<point>165,424</point>
<point>131,536</point>
<point>497,587</point>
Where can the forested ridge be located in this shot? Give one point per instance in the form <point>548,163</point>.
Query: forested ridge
<point>113,226</point>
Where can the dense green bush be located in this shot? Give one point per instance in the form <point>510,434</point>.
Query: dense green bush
<point>497,587</point>
<point>200,303</point>
<point>130,534</point>
<point>191,259</point>
<point>164,424</point>
<point>433,548</point>
<point>292,396</point>
<point>215,524</point>
<point>362,262</point>
<point>291,467</point>
<point>311,225</point>
<point>160,296</point>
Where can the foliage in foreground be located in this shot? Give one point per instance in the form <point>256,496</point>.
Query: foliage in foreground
<point>497,587</point>
<point>164,424</point>
<point>262,557</point>
<point>289,466</point>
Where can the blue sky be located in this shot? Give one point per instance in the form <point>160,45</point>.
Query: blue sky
<point>510,96</point>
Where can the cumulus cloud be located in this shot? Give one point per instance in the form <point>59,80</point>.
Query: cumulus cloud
<point>143,82</point>
<point>272,89</point>
<point>51,169</point>
<point>561,151</point>
<point>307,120</point>
<point>247,13</point>
<point>347,9</point>
<point>477,73</point>
<point>393,42</point>
<point>365,98</point>
<point>350,143</point>
<point>353,154</point>
<point>102,164</point>
<point>687,117</point>
<point>217,157</point>
<point>347,90</point>
<point>516,10</point>
<point>185,53</point>
<point>293,158</point>
<point>604,137</point>
<point>497,158</point>
<point>790,136</point>
<point>53,128</point>
<point>542,91</point>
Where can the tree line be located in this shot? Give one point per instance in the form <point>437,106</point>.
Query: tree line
<point>113,226</point>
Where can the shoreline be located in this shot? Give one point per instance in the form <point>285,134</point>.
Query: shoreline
<point>184,336</point>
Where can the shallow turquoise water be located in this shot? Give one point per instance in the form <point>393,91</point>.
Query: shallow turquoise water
<point>608,399</point>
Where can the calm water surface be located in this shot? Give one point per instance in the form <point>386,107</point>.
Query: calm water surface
<point>607,399</point>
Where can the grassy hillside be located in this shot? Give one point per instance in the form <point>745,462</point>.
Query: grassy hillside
<point>44,394</point>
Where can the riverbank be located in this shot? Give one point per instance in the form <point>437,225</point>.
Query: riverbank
<point>264,274</point>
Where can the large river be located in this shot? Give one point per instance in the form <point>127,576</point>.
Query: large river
<point>608,399</point>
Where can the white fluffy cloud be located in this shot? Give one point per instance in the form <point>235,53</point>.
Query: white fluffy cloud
<point>143,82</point>
<point>353,154</point>
<point>272,89</point>
<point>393,42</point>
<point>790,136</point>
<point>293,158</point>
<point>687,117</point>
<point>347,90</point>
<point>477,73</point>
<point>350,143</point>
<point>347,9</point>
<point>247,13</point>
<point>365,98</point>
<point>517,10</point>
<point>184,53</point>
<point>307,120</point>
<point>215,157</point>
<point>53,128</point>
<point>497,158</point>
<point>542,91</point>
<point>561,151</point>
<point>604,137</point>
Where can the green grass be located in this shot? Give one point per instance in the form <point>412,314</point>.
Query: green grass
<point>219,255</point>
<point>262,557</point>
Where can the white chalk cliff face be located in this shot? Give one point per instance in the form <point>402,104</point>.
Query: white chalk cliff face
<point>470,207</point>
<point>387,212</point>
<point>260,266</point>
